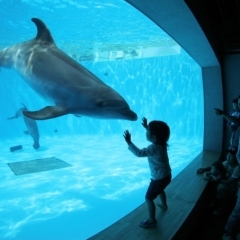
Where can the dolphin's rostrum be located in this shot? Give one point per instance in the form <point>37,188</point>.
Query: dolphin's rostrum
<point>59,79</point>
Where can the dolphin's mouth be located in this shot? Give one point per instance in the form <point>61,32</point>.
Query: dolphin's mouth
<point>126,114</point>
<point>132,115</point>
<point>117,108</point>
<point>134,118</point>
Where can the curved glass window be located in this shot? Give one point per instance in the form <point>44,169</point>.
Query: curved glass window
<point>83,172</point>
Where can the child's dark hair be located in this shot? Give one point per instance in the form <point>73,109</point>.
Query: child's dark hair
<point>161,130</point>
<point>219,166</point>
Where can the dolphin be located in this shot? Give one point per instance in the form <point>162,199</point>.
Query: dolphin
<point>32,127</point>
<point>68,86</point>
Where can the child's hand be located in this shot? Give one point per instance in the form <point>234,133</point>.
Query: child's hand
<point>127,136</point>
<point>200,171</point>
<point>144,122</point>
<point>215,178</point>
<point>206,175</point>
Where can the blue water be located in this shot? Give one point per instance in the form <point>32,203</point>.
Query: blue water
<point>106,181</point>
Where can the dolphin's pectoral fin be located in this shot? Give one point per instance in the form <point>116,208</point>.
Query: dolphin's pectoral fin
<point>46,113</point>
<point>77,115</point>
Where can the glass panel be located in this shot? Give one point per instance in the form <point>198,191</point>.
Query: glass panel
<point>132,55</point>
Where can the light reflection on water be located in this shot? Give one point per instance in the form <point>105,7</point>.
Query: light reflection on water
<point>101,181</point>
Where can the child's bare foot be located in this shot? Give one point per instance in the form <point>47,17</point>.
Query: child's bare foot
<point>163,207</point>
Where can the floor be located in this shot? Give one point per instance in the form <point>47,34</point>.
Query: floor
<point>210,226</point>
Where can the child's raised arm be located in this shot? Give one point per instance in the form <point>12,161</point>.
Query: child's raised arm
<point>127,136</point>
<point>144,122</point>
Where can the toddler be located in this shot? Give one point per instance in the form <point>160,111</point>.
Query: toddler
<point>158,134</point>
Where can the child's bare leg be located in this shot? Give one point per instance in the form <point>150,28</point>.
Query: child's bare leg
<point>163,200</point>
<point>151,210</point>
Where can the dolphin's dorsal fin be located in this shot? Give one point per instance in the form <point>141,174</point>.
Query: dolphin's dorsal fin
<point>43,33</point>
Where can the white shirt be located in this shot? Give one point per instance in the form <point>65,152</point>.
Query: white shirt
<point>157,159</point>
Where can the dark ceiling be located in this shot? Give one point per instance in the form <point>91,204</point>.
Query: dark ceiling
<point>220,20</point>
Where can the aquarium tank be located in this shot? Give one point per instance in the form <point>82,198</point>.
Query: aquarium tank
<point>82,178</point>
